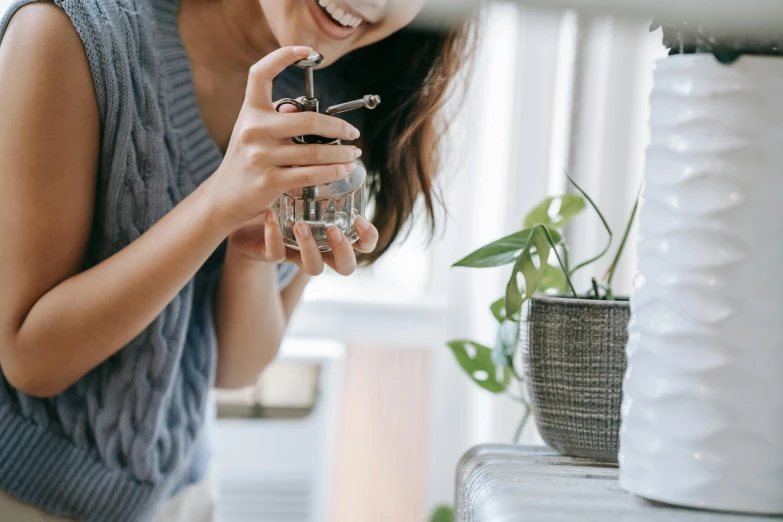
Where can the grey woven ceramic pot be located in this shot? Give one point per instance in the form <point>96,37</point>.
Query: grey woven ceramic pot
<point>573,355</point>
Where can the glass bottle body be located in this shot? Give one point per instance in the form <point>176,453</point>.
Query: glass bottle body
<point>335,204</point>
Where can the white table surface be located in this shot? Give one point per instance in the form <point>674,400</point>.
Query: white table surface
<point>533,484</point>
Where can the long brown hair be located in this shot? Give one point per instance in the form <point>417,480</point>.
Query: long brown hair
<point>414,72</point>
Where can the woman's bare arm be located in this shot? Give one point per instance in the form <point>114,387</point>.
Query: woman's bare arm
<point>56,324</point>
<point>292,294</point>
<point>251,318</point>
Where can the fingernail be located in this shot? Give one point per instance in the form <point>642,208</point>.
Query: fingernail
<point>362,224</point>
<point>302,229</point>
<point>350,167</point>
<point>354,133</point>
<point>271,218</point>
<point>302,50</point>
<point>335,234</point>
<point>357,153</point>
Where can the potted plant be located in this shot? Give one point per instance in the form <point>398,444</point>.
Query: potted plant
<point>572,356</point>
<point>703,397</point>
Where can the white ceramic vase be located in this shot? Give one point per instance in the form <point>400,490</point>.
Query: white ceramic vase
<point>703,393</point>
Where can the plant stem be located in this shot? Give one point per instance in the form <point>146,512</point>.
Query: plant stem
<point>565,259</point>
<point>595,289</point>
<point>560,261</point>
<point>515,398</point>
<point>522,423</point>
<point>603,220</point>
<point>610,273</point>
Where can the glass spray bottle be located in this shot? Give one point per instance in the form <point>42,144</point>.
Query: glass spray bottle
<point>335,204</point>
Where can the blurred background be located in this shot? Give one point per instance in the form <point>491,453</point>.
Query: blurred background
<point>366,413</point>
<point>552,92</point>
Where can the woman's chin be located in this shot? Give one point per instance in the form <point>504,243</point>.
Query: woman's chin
<point>327,49</point>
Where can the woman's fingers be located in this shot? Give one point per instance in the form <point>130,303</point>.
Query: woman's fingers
<point>368,236</point>
<point>343,259</point>
<point>297,177</point>
<point>259,85</point>
<point>312,261</point>
<point>273,239</point>
<point>296,155</point>
<point>307,123</point>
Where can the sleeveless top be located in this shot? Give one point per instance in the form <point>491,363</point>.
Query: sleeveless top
<point>128,435</point>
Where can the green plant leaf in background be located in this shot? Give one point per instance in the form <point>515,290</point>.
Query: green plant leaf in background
<point>477,362</point>
<point>514,299</point>
<point>554,279</point>
<point>498,309</point>
<point>531,273</point>
<point>535,275</point>
<point>506,342</point>
<point>442,514</point>
<point>569,206</point>
<point>504,251</point>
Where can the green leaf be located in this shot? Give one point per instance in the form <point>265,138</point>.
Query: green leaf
<point>534,276</point>
<point>530,272</point>
<point>570,205</point>
<point>498,309</point>
<point>506,343</point>
<point>554,279</point>
<point>504,251</point>
<point>514,299</point>
<point>443,514</point>
<point>498,253</point>
<point>476,360</point>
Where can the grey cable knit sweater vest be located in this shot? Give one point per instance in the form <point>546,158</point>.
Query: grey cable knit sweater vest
<point>128,435</point>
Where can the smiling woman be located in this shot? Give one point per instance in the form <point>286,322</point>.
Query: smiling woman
<point>140,151</point>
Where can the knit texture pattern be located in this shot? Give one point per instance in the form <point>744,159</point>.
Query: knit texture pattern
<point>127,436</point>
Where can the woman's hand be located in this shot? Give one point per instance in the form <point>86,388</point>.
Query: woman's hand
<point>262,162</point>
<point>261,239</point>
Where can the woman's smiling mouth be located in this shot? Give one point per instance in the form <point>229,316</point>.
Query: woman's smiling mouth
<point>339,14</point>
<point>346,26</point>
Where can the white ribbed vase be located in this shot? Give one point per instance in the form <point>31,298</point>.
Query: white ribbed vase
<point>703,393</point>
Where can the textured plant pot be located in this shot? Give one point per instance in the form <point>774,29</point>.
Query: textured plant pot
<point>573,355</point>
<point>703,395</point>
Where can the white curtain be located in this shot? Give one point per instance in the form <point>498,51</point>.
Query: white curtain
<point>553,92</point>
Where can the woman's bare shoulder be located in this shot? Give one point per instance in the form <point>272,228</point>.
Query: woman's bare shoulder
<point>41,38</point>
<point>42,51</point>
<point>40,24</point>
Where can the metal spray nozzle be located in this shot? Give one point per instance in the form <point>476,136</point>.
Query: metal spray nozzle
<point>310,102</point>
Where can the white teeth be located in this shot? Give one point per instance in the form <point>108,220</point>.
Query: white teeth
<point>340,15</point>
